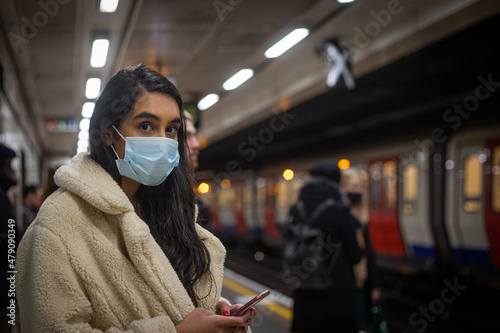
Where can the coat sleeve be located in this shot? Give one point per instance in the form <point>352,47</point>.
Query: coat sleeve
<point>52,297</point>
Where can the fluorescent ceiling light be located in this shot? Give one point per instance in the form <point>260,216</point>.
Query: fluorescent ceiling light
<point>84,144</point>
<point>99,52</point>
<point>92,88</point>
<point>286,43</point>
<point>84,124</point>
<point>83,135</point>
<point>208,101</point>
<point>108,6</point>
<point>88,109</point>
<point>237,79</point>
<point>344,1</point>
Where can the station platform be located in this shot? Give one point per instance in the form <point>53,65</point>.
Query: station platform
<point>274,313</point>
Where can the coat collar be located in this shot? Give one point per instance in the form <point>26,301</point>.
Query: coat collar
<point>88,180</point>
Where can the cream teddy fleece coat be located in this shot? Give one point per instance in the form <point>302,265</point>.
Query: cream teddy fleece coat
<point>88,263</point>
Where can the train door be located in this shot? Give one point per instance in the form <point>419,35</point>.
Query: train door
<point>226,209</point>
<point>282,205</point>
<point>249,209</point>
<point>212,199</point>
<point>270,210</point>
<point>465,183</point>
<point>492,206</point>
<point>241,226</point>
<point>287,192</point>
<point>383,202</point>
<point>261,199</point>
<point>414,206</point>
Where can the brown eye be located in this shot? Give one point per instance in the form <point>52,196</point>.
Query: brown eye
<point>172,130</point>
<point>145,127</point>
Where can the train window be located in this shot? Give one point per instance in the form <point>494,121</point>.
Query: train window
<point>271,193</point>
<point>226,198</point>
<point>473,183</point>
<point>390,177</point>
<point>261,197</point>
<point>410,189</point>
<point>375,183</point>
<point>495,180</point>
<point>238,197</point>
<point>281,196</point>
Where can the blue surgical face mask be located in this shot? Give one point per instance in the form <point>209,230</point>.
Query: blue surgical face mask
<point>148,160</point>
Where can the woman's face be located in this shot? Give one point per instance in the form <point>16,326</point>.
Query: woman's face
<point>353,184</point>
<point>154,115</point>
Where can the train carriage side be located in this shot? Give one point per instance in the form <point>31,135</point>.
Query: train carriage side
<point>472,212</point>
<point>492,207</point>
<point>414,206</point>
<point>399,208</point>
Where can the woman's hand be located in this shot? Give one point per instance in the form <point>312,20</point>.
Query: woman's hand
<point>223,308</point>
<point>201,320</point>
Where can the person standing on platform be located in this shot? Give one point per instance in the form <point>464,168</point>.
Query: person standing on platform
<point>50,186</point>
<point>117,248</point>
<point>331,309</point>
<point>32,199</point>
<point>194,149</point>
<point>368,292</point>
<point>8,225</point>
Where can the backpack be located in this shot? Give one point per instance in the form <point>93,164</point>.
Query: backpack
<point>308,255</point>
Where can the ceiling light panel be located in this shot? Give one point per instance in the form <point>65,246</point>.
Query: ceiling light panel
<point>286,43</point>
<point>99,52</point>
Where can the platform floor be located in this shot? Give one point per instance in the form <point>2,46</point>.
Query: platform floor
<point>274,313</point>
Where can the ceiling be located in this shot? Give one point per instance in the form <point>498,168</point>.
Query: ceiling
<point>46,45</point>
<point>406,102</point>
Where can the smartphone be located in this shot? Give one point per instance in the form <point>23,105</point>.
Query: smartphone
<point>251,303</point>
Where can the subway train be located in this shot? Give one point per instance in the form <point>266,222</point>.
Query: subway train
<point>433,203</point>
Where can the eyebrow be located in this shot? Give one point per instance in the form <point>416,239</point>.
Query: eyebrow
<point>149,115</point>
<point>146,114</point>
<point>176,120</point>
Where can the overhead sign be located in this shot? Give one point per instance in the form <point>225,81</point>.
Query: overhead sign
<point>338,58</point>
<point>61,125</point>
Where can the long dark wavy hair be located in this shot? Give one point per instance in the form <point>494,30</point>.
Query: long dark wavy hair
<point>168,208</point>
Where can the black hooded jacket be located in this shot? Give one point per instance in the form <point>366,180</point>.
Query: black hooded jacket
<point>319,311</point>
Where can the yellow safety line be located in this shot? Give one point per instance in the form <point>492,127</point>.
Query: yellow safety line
<point>242,290</point>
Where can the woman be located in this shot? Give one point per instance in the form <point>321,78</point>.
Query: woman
<point>331,309</point>
<point>368,292</point>
<point>116,247</point>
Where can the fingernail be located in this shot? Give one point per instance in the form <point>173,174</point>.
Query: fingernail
<point>225,313</point>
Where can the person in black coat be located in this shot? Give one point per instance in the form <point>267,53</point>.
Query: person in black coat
<point>354,187</point>
<point>332,309</point>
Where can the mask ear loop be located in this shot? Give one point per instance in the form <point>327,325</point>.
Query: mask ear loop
<point>112,147</point>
